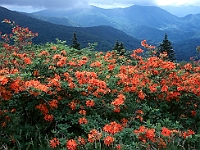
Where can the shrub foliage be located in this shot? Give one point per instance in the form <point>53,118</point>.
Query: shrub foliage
<point>52,96</point>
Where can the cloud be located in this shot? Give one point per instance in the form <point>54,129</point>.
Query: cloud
<point>120,3</point>
<point>46,3</point>
<point>83,3</point>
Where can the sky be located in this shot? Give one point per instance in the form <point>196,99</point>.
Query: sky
<point>35,5</point>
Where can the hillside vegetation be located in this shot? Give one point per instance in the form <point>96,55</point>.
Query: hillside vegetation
<point>56,97</point>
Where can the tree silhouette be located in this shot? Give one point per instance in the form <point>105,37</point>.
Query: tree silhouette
<point>75,44</point>
<point>119,47</point>
<point>166,46</point>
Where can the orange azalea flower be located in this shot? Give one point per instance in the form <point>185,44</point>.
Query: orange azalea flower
<point>82,112</point>
<point>54,47</point>
<point>164,88</point>
<point>90,103</point>
<point>94,135</point>
<point>27,61</point>
<point>36,73</point>
<point>141,129</point>
<point>54,143</point>
<point>187,133</point>
<point>83,121</point>
<point>113,128</point>
<point>3,124</point>
<point>53,104</point>
<point>193,113</point>
<point>139,111</point>
<point>188,66</point>
<point>117,109</point>
<point>118,147</point>
<point>150,134</point>
<point>56,56</point>
<point>43,108</point>
<point>118,101</point>
<point>72,105</point>
<point>81,140</point>
<point>161,143</point>
<point>124,121</point>
<point>96,64</point>
<point>48,117</point>
<point>139,117</point>
<point>165,131</point>
<point>13,110</point>
<point>141,95</point>
<point>108,140</point>
<point>153,88</point>
<point>3,80</point>
<point>71,144</point>
<point>6,94</point>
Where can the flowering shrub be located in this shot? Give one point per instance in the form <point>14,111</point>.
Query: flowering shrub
<point>52,96</point>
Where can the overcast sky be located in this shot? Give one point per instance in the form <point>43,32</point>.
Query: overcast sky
<point>34,5</point>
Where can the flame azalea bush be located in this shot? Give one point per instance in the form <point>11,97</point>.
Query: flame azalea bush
<point>55,97</point>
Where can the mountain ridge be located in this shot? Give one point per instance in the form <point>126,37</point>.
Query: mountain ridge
<point>48,32</point>
<point>106,35</point>
<point>129,19</point>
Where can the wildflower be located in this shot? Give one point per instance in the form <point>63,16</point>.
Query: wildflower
<point>48,117</point>
<point>27,61</point>
<point>3,124</point>
<point>81,140</point>
<point>3,80</point>
<point>141,95</point>
<point>82,112</point>
<point>139,117</point>
<point>108,140</point>
<point>90,103</point>
<point>119,100</point>
<point>165,131</point>
<point>54,143</point>
<point>161,143</point>
<point>36,73</point>
<point>113,128</point>
<point>139,112</point>
<point>193,113</point>
<point>188,66</point>
<point>83,121</point>
<point>53,47</point>
<point>71,144</point>
<point>187,133</point>
<point>164,88</point>
<point>141,129</point>
<point>124,122</point>
<point>150,134</point>
<point>53,104</point>
<point>118,147</point>
<point>43,108</point>
<point>117,109</point>
<point>72,105</point>
<point>94,135</point>
<point>153,88</point>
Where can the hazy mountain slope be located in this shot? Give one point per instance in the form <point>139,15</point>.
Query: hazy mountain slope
<point>142,22</point>
<point>186,49</point>
<point>151,16</point>
<point>182,11</point>
<point>49,32</point>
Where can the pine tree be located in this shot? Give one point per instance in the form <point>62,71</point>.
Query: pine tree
<point>116,45</point>
<point>75,44</point>
<point>166,46</point>
<point>119,47</point>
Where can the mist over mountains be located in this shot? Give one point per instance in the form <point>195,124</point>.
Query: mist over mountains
<point>140,22</point>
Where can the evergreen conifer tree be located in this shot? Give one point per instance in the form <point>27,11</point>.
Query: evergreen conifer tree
<point>119,47</point>
<point>75,44</point>
<point>166,46</point>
